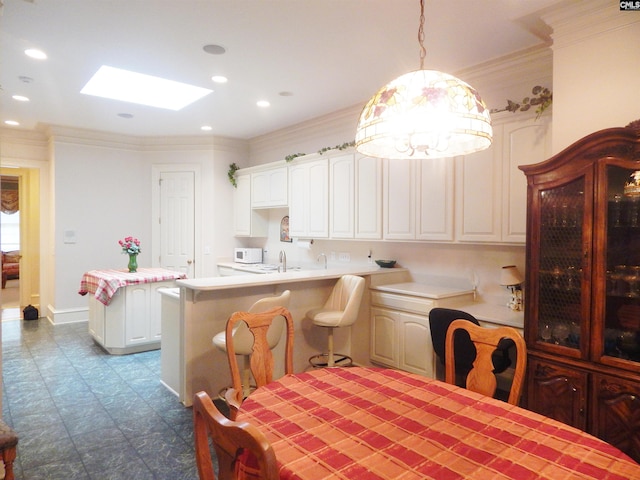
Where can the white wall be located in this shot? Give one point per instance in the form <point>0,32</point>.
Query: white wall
<point>596,67</point>
<point>104,193</point>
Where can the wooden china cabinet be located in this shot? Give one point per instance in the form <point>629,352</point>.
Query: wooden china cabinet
<point>582,305</point>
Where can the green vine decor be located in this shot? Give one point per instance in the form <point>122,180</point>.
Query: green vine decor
<point>542,99</point>
<point>233,167</point>
<point>344,146</point>
<point>232,174</point>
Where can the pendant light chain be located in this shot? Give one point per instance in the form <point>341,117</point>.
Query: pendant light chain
<point>423,51</point>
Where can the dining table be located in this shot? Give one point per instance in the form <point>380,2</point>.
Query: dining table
<point>369,423</point>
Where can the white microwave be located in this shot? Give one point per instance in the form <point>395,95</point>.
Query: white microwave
<point>248,255</point>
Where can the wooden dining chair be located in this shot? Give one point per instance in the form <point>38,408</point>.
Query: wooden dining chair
<point>229,440</point>
<point>481,378</point>
<point>261,360</point>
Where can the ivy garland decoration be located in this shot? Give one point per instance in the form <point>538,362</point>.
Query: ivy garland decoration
<point>232,174</point>
<point>289,158</point>
<point>542,100</point>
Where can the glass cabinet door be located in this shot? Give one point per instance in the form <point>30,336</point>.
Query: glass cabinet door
<point>621,332</point>
<point>559,288</point>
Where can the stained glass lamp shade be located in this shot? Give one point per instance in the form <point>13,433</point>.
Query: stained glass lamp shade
<point>424,114</point>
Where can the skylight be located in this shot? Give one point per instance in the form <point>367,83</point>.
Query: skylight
<point>118,84</point>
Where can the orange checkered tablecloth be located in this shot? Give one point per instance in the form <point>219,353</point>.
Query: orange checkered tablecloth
<point>103,284</point>
<point>371,424</point>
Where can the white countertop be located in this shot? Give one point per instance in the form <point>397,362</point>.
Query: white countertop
<point>435,292</point>
<point>484,312</point>
<point>221,283</point>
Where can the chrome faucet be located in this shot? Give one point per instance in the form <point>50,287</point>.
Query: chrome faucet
<point>325,259</point>
<point>283,261</point>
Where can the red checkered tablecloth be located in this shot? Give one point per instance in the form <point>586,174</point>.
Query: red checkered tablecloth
<point>372,424</point>
<point>103,284</point>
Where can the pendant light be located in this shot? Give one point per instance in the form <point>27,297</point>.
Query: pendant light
<point>424,114</point>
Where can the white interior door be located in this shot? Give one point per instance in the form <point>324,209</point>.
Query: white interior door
<point>177,213</point>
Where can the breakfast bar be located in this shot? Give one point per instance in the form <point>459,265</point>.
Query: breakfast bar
<point>207,303</point>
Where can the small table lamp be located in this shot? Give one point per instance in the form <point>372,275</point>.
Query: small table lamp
<point>511,278</point>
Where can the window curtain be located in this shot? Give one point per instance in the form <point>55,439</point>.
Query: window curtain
<point>9,201</point>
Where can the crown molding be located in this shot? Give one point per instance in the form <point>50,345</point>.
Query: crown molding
<point>572,22</point>
<point>78,136</point>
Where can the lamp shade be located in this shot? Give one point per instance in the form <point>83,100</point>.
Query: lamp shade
<point>510,276</point>
<point>424,114</point>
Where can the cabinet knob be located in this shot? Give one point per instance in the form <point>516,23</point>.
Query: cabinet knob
<point>189,262</point>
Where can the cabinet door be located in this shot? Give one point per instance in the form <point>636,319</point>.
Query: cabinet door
<point>342,196</point>
<point>318,199</point>
<point>269,188</point>
<point>524,143</point>
<point>399,200</point>
<point>368,197</point>
<point>478,194</point>
<point>416,349</point>
<point>435,199</point>
<point>248,222</point>
<point>616,413</point>
<point>97,312</point>
<point>384,336</point>
<point>137,314</point>
<point>309,199</point>
<point>558,392</point>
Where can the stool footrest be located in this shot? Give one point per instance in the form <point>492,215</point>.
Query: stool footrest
<point>321,360</point>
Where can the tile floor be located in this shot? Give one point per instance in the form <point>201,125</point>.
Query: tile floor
<point>83,414</point>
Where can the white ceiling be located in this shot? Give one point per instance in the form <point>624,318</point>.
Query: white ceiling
<point>330,54</point>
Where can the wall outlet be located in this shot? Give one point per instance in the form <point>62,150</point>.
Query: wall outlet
<point>344,257</point>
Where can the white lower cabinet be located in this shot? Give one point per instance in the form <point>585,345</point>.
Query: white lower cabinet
<point>132,320</point>
<point>400,331</point>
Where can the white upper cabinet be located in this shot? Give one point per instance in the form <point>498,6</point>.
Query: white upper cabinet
<point>491,193</point>
<point>269,188</point>
<point>399,205</point>
<point>342,185</point>
<point>368,197</point>
<point>524,143</point>
<point>435,204</point>
<point>418,199</point>
<point>355,199</point>
<point>248,222</point>
<point>309,199</point>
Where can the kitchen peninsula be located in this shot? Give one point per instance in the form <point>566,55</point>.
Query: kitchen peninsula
<point>207,303</point>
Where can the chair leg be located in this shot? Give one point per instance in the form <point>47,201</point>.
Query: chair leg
<point>331,361</point>
<point>8,457</point>
<point>246,376</point>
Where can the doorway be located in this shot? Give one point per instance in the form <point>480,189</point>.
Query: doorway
<point>10,246</point>
<point>20,240</point>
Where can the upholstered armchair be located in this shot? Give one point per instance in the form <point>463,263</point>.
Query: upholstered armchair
<point>10,266</point>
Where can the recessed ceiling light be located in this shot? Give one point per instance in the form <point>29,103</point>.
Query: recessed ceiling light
<point>118,84</point>
<point>214,49</point>
<point>20,98</point>
<point>263,103</point>
<point>286,94</point>
<point>125,115</point>
<point>13,123</point>
<point>219,79</point>
<point>35,53</point>
<point>25,79</point>
<point>206,128</point>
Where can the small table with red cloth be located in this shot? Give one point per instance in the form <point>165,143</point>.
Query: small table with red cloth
<point>370,423</point>
<point>103,284</point>
<point>125,308</point>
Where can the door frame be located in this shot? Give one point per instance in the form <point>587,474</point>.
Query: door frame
<point>156,172</point>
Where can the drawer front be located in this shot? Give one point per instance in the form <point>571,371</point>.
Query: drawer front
<point>402,302</point>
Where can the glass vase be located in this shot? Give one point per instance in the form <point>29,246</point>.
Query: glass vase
<point>133,263</point>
